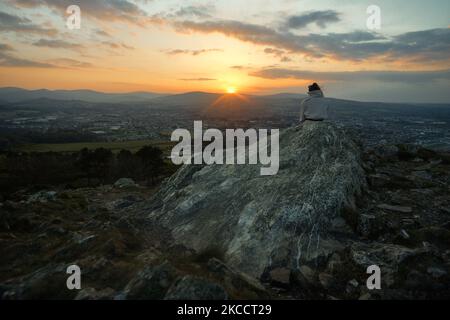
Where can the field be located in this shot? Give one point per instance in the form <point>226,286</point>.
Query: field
<point>116,146</point>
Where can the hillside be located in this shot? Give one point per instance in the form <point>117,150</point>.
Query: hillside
<point>216,232</point>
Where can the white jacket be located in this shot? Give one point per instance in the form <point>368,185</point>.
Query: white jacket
<point>315,107</point>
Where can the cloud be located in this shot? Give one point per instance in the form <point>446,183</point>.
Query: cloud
<point>102,33</point>
<point>285,59</point>
<point>243,31</point>
<point>262,35</point>
<point>57,44</point>
<point>106,10</point>
<point>71,63</point>
<point>191,52</point>
<point>280,54</point>
<point>356,45</point>
<point>127,46</point>
<point>198,79</point>
<point>62,44</point>
<point>196,12</point>
<point>12,23</point>
<point>114,45</point>
<point>320,18</point>
<point>5,47</point>
<point>354,76</point>
<point>434,43</point>
<point>199,11</point>
<point>7,60</point>
<point>275,52</point>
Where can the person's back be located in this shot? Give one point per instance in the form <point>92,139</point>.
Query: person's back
<point>315,107</point>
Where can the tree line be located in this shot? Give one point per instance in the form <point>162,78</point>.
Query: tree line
<point>79,169</point>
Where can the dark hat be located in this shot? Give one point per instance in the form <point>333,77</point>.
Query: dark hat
<point>313,87</point>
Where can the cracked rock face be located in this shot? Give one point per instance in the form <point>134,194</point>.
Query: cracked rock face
<point>259,223</point>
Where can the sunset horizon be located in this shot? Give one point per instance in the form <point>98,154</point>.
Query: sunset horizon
<point>225,157</point>
<point>260,47</point>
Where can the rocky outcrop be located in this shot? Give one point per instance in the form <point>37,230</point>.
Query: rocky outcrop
<point>120,255</point>
<point>258,223</point>
<point>296,231</point>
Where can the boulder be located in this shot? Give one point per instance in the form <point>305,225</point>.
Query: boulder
<point>436,272</point>
<point>237,284</point>
<point>125,183</point>
<point>42,196</point>
<point>48,282</point>
<point>262,222</point>
<point>326,280</point>
<point>389,257</point>
<point>280,276</point>
<point>151,283</point>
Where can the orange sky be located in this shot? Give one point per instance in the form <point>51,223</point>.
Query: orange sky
<point>178,46</point>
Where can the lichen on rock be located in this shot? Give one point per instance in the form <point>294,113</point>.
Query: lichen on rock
<point>263,222</point>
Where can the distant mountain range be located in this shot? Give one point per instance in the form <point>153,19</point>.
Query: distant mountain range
<point>229,106</point>
<point>12,95</point>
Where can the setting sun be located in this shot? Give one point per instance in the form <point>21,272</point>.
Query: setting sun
<point>231,90</point>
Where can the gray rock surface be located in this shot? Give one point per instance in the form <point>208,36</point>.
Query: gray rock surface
<point>43,196</point>
<point>195,288</point>
<point>151,283</point>
<point>262,222</point>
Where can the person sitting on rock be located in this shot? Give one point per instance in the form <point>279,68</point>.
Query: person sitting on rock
<point>314,107</point>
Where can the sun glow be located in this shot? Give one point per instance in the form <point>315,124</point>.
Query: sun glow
<point>231,90</point>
